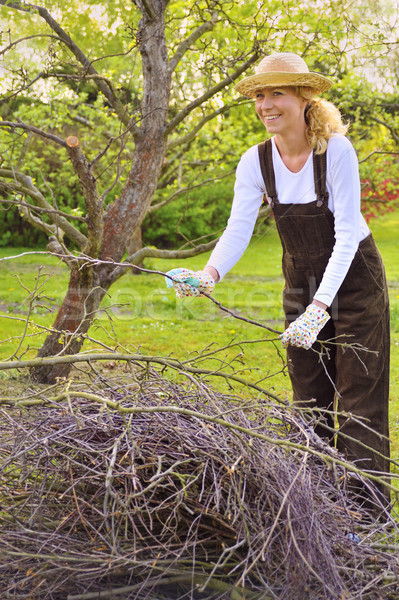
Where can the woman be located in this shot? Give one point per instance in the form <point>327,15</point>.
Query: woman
<point>335,284</point>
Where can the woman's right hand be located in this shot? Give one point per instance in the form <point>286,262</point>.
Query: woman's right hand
<point>189,283</point>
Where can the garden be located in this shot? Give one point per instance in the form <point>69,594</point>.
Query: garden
<point>150,448</point>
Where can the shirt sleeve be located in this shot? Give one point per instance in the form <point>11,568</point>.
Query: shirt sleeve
<point>343,184</point>
<point>248,196</point>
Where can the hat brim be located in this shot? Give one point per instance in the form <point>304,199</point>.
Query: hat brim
<point>251,85</point>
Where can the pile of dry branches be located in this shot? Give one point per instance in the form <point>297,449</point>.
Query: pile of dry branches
<point>140,487</point>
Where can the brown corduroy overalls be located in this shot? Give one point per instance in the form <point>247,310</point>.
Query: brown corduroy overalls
<point>360,313</point>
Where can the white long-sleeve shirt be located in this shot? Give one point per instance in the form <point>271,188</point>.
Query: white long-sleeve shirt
<point>343,186</point>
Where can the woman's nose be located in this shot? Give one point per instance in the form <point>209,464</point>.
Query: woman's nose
<point>267,102</point>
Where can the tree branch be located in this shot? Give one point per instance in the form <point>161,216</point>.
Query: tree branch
<point>148,252</point>
<point>78,53</point>
<point>49,229</point>
<point>23,88</point>
<point>168,362</point>
<point>25,127</point>
<point>119,269</point>
<point>377,152</point>
<point>147,8</point>
<point>187,43</point>
<point>211,92</point>
<point>292,444</point>
<point>183,190</point>
<point>55,247</point>
<point>23,185</point>
<point>38,209</point>
<point>92,198</point>
<point>186,139</point>
<point>388,126</point>
<point>80,77</point>
<point>28,37</point>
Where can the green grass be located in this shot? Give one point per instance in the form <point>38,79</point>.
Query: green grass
<point>142,314</point>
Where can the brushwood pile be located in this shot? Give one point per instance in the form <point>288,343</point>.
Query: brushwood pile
<point>139,487</point>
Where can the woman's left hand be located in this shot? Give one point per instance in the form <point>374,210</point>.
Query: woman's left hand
<point>303,332</point>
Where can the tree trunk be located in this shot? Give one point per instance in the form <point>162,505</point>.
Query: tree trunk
<point>136,244</point>
<point>73,320</point>
<point>88,286</point>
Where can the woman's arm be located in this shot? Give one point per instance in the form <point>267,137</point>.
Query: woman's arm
<point>248,197</point>
<point>344,187</point>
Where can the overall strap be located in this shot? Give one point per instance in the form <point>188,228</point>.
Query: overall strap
<point>319,172</point>
<point>266,166</point>
<point>320,175</point>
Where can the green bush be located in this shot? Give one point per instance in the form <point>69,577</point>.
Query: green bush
<point>199,212</point>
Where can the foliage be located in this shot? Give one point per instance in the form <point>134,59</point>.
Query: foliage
<point>107,31</point>
<point>200,212</point>
<point>380,191</point>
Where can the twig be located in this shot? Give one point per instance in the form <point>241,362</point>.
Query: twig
<point>167,362</point>
<point>250,432</point>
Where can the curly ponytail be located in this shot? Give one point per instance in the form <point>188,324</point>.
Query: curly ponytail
<point>323,119</point>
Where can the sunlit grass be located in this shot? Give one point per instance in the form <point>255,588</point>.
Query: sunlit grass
<point>141,314</point>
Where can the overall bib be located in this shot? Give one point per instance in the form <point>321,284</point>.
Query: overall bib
<point>359,314</point>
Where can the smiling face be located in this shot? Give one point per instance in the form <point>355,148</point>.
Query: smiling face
<point>281,111</point>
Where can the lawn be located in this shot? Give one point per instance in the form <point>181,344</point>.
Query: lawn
<point>141,314</point>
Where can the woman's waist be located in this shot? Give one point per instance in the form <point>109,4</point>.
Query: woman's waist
<point>311,259</point>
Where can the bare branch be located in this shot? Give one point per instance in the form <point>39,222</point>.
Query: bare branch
<point>101,153</point>
<point>55,247</point>
<point>113,55</point>
<point>25,146</point>
<point>85,122</point>
<point>169,362</point>
<point>28,37</point>
<point>80,77</point>
<point>49,229</point>
<point>38,209</point>
<point>23,184</point>
<point>377,152</point>
<point>388,126</point>
<point>78,53</point>
<point>211,92</point>
<point>145,8</point>
<point>186,189</point>
<point>148,252</point>
<point>118,171</point>
<point>186,139</point>
<point>26,127</point>
<point>92,198</point>
<point>23,87</point>
<point>187,43</point>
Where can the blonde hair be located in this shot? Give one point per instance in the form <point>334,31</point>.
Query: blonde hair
<point>323,119</point>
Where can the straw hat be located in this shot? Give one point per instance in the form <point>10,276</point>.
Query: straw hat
<point>279,70</point>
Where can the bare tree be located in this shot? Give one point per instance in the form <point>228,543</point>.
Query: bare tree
<point>160,123</point>
<point>109,231</point>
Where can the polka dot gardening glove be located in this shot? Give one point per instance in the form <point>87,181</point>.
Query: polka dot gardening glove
<point>304,330</point>
<point>190,283</point>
